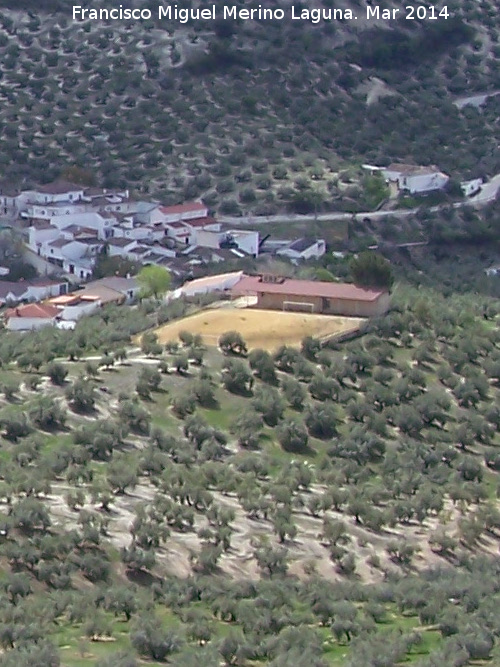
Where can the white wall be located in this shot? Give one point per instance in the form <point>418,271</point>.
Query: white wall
<point>46,211</point>
<point>39,292</point>
<point>92,220</point>
<point>246,241</point>
<point>316,250</point>
<point>184,215</point>
<point>28,323</point>
<point>120,251</point>
<point>42,197</point>
<point>208,239</point>
<point>151,216</point>
<point>137,233</point>
<point>470,188</point>
<point>79,310</point>
<point>217,283</point>
<point>72,250</point>
<point>40,236</point>
<point>82,272</point>
<point>423,182</point>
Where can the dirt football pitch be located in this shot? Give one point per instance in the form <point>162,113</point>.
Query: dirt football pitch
<point>266,329</point>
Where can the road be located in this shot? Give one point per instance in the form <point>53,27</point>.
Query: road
<point>487,194</point>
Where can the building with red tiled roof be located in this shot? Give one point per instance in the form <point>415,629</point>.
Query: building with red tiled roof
<point>328,298</point>
<point>31,316</point>
<point>32,310</point>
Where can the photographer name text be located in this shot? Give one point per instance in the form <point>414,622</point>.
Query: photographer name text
<point>260,13</point>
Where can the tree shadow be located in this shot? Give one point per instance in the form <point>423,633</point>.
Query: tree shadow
<point>142,577</point>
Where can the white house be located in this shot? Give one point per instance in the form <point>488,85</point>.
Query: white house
<point>11,293</point>
<point>120,247</point>
<point>92,194</point>
<point>149,213</point>
<point>128,286</point>
<point>130,229</point>
<point>40,232</point>
<point>244,240</point>
<point>30,317</point>
<point>413,179</point>
<point>247,241</point>
<point>43,289</point>
<point>101,222</point>
<point>82,267</point>
<point>42,211</point>
<point>24,290</point>
<point>303,249</point>
<point>59,191</point>
<point>471,188</point>
<point>179,231</point>
<point>72,306</point>
<point>63,248</point>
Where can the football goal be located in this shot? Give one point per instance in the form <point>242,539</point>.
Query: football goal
<point>299,306</point>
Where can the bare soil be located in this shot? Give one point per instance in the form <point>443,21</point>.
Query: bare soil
<point>266,329</point>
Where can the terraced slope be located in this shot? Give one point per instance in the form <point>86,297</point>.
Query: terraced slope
<point>252,116</point>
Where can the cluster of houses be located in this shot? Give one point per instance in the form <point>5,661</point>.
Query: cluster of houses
<point>269,292</point>
<point>54,306</point>
<point>69,226</point>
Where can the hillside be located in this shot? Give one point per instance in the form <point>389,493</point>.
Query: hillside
<point>301,507</point>
<point>193,482</point>
<point>253,116</point>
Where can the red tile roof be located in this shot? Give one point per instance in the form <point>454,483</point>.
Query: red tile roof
<point>60,243</point>
<point>59,188</point>
<point>176,225</point>
<point>188,207</point>
<point>33,310</point>
<point>311,288</point>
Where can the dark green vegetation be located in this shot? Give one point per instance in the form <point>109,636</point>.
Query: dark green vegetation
<point>252,116</point>
<point>458,246</point>
<point>307,507</point>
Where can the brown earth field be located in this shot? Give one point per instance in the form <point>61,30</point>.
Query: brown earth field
<point>265,329</point>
